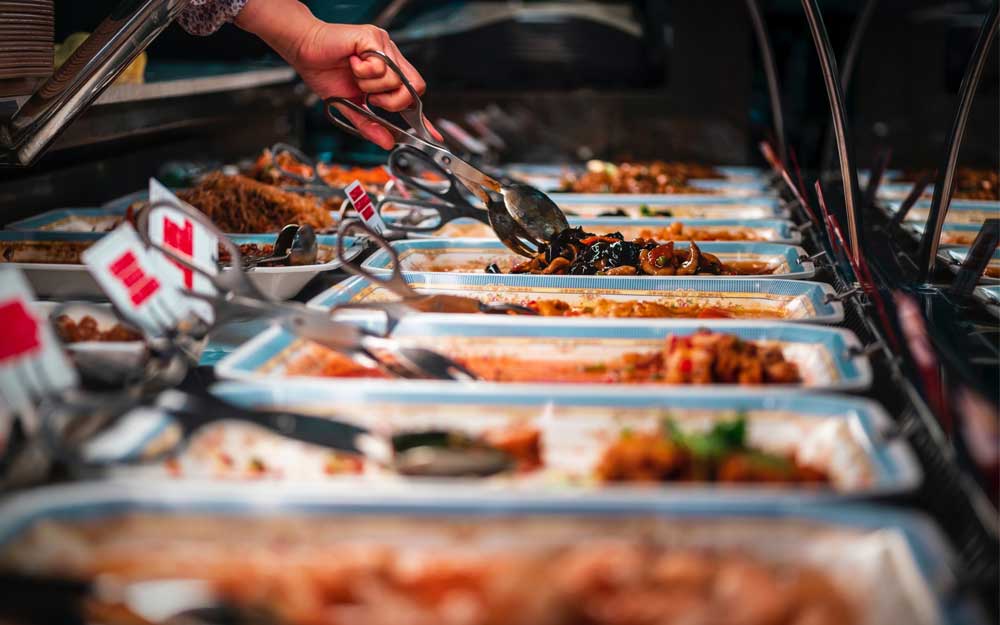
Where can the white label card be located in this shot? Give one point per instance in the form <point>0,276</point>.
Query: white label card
<point>363,206</point>
<point>32,361</point>
<point>138,281</point>
<point>173,229</point>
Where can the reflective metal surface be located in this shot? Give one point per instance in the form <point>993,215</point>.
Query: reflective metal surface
<point>102,57</point>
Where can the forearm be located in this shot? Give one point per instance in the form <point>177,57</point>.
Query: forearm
<point>283,24</point>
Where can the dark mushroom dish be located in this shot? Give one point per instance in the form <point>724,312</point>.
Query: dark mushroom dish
<point>578,253</point>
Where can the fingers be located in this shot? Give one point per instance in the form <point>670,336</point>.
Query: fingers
<point>368,129</point>
<point>383,84</point>
<point>434,131</point>
<point>369,80</point>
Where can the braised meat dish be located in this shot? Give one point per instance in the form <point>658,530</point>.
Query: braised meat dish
<point>643,177</point>
<point>579,253</point>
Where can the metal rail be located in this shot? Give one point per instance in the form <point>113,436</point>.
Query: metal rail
<point>116,41</point>
<point>944,186</point>
<point>845,148</point>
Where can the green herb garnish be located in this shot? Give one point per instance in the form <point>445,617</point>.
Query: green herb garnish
<point>724,438</point>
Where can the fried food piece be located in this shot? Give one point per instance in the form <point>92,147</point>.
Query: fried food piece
<point>521,442</point>
<point>87,329</point>
<point>643,457</point>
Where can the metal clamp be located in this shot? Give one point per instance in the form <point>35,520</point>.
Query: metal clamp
<point>868,350</point>
<point>840,297</point>
<point>815,258</point>
<point>899,430</point>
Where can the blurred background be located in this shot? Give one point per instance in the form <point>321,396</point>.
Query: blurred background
<point>609,79</point>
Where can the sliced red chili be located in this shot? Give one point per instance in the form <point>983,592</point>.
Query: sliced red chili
<point>594,239</point>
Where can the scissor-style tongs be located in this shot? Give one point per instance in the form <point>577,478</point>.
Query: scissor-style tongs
<point>315,184</point>
<point>410,300</point>
<point>447,199</point>
<point>237,298</point>
<point>529,213</point>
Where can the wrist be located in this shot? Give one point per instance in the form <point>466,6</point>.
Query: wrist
<point>283,24</point>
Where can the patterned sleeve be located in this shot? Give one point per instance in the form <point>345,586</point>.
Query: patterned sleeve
<point>204,17</point>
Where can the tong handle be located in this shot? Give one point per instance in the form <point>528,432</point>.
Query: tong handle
<point>196,411</point>
<point>301,157</point>
<point>413,114</point>
<point>395,281</point>
<point>406,162</point>
<point>399,135</point>
<point>977,259</point>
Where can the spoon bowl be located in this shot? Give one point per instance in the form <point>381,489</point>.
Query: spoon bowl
<point>534,211</point>
<point>304,249</point>
<point>280,250</point>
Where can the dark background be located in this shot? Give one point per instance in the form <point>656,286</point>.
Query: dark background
<point>698,92</point>
<point>691,87</point>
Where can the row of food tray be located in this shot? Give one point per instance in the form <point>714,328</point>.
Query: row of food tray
<point>684,447</point>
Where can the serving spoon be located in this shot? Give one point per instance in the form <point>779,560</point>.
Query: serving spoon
<point>294,246</point>
<point>428,453</point>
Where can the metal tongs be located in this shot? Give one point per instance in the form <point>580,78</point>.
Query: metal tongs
<point>315,184</point>
<point>236,298</point>
<point>534,212</point>
<point>447,202</point>
<point>410,300</point>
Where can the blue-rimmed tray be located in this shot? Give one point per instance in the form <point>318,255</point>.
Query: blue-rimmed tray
<point>732,173</point>
<point>73,280</point>
<point>959,212</point>
<point>789,300</point>
<point>850,440</point>
<point>707,206</point>
<point>474,255</point>
<point>827,358</point>
<point>764,230</point>
<point>893,567</point>
<point>956,256</point>
<point>990,297</point>
<point>71,220</point>
<point>950,232</point>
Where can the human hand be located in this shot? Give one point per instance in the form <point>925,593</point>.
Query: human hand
<point>327,57</point>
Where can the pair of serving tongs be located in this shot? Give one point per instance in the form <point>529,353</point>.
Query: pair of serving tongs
<point>236,298</point>
<point>529,214</point>
<point>410,300</point>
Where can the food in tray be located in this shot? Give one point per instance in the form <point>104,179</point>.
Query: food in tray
<point>970,183</point>
<point>70,252</point>
<point>702,358</point>
<point>662,309</point>
<point>592,448</point>
<point>482,571</point>
<point>241,205</point>
<point>958,237</point>
<point>642,177</point>
<point>677,231</point>
<point>722,454</point>
<point>575,252</point>
<point>58,252</point>
<point>324,254</point>
<point>264,169</point>
<point>88,329</point>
